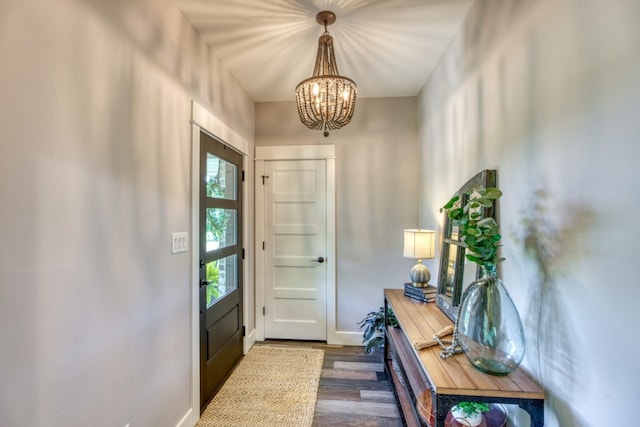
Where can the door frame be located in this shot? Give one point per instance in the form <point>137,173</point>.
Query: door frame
<point>203,121</point>
<point>296,152</point>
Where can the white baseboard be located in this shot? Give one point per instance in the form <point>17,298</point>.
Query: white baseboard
<point>186,421</point>
<point>249,341</point>
<point>347,338</point>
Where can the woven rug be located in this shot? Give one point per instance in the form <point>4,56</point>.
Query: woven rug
<point>271,386</point>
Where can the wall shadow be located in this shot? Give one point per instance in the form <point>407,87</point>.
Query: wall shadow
<point>551,251</point>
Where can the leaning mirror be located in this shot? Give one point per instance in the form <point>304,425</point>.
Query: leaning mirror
<point>455,271</point>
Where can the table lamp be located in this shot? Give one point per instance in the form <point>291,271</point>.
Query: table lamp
<point>420,244</point>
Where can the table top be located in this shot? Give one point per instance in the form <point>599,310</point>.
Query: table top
<point>456,376</point>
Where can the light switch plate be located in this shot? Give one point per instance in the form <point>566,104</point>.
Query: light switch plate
<point>179,242</point>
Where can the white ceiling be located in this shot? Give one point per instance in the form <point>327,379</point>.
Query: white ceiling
<point>388,47</point>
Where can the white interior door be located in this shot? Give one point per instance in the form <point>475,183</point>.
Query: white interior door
<point>295,249</point>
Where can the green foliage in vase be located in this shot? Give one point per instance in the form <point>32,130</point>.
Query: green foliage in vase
<point>373,324</point>
<point>471,408</point>
<point>481,236</point>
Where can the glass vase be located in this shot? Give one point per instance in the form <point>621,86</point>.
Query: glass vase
<point>489,327</point>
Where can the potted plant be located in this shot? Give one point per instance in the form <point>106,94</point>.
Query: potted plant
<point>469,413</point>
<point>374,324</point>
<point>488,326</point>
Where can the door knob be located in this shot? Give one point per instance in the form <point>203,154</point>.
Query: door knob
<point>320,259</point>
<point>204,283</point>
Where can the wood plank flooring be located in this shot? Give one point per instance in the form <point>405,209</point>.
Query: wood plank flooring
<point>354,390</point>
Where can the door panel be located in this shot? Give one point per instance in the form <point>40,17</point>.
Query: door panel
<point>220,264</point>
<point>222,329</point>
<point>296,238</point>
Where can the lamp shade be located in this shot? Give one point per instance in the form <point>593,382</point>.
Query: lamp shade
<point>419,244</point>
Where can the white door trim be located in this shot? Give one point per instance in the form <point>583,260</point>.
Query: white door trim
<point>297,152</point>
<point>202,120</point>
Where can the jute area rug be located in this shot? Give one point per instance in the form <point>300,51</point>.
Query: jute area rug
<point>271,386</point>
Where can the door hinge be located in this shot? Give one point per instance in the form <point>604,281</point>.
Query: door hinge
<point>264,177</point>
<point>264,311</point>
<point>263,246</point>
<point>242,253</point>
<point>242,176</point>
<point>244,331</point>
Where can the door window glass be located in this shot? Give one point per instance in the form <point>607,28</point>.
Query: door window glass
<point>221,228</point>
<point>222,278</point>
<point>220,178</point>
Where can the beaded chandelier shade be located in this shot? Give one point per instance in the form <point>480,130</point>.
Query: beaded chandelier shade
<point>326,100</point>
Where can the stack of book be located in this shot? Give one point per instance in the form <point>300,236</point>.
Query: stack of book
<point>426,294</point>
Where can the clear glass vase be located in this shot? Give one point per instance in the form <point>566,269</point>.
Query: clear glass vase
<point>489,327</point>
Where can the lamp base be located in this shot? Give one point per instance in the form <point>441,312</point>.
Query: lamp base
<point>420,275</point>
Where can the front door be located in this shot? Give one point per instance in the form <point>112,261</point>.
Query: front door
<point>220,247</point>
<point>295,223</point>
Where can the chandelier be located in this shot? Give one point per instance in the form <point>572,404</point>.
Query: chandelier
<point>326,100</point>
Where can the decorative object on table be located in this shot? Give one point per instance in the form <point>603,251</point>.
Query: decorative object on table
<point>455,272</point>
<point>437,338</point>
<point>488,326</point>
<point>469,414</point>
<point>326,100</point>
<point>374,324</point>
<point>450,347</point>
<point>420,244</point>
<point>426,294</point>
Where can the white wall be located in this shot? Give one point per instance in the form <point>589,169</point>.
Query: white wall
<point>95,167</point>
<point>377,180</point>
<point>548,93</point>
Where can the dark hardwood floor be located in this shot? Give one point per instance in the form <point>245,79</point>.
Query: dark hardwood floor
<point>354,389</point>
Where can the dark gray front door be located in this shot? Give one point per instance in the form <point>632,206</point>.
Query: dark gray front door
<point>220,239</point>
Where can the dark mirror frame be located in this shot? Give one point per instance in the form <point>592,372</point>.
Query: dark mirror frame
<point>455,271</point>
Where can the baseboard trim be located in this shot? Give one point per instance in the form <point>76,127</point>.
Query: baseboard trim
<point>347,338</point>
<point>186,421</point>
<point>249,341</point>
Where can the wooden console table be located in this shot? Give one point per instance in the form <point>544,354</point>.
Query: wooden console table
<point>427,386</point>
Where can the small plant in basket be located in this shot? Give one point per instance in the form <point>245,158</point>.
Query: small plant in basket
<point>469,413</point>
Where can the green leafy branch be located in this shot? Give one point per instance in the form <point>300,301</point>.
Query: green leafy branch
<point>479,234</point>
